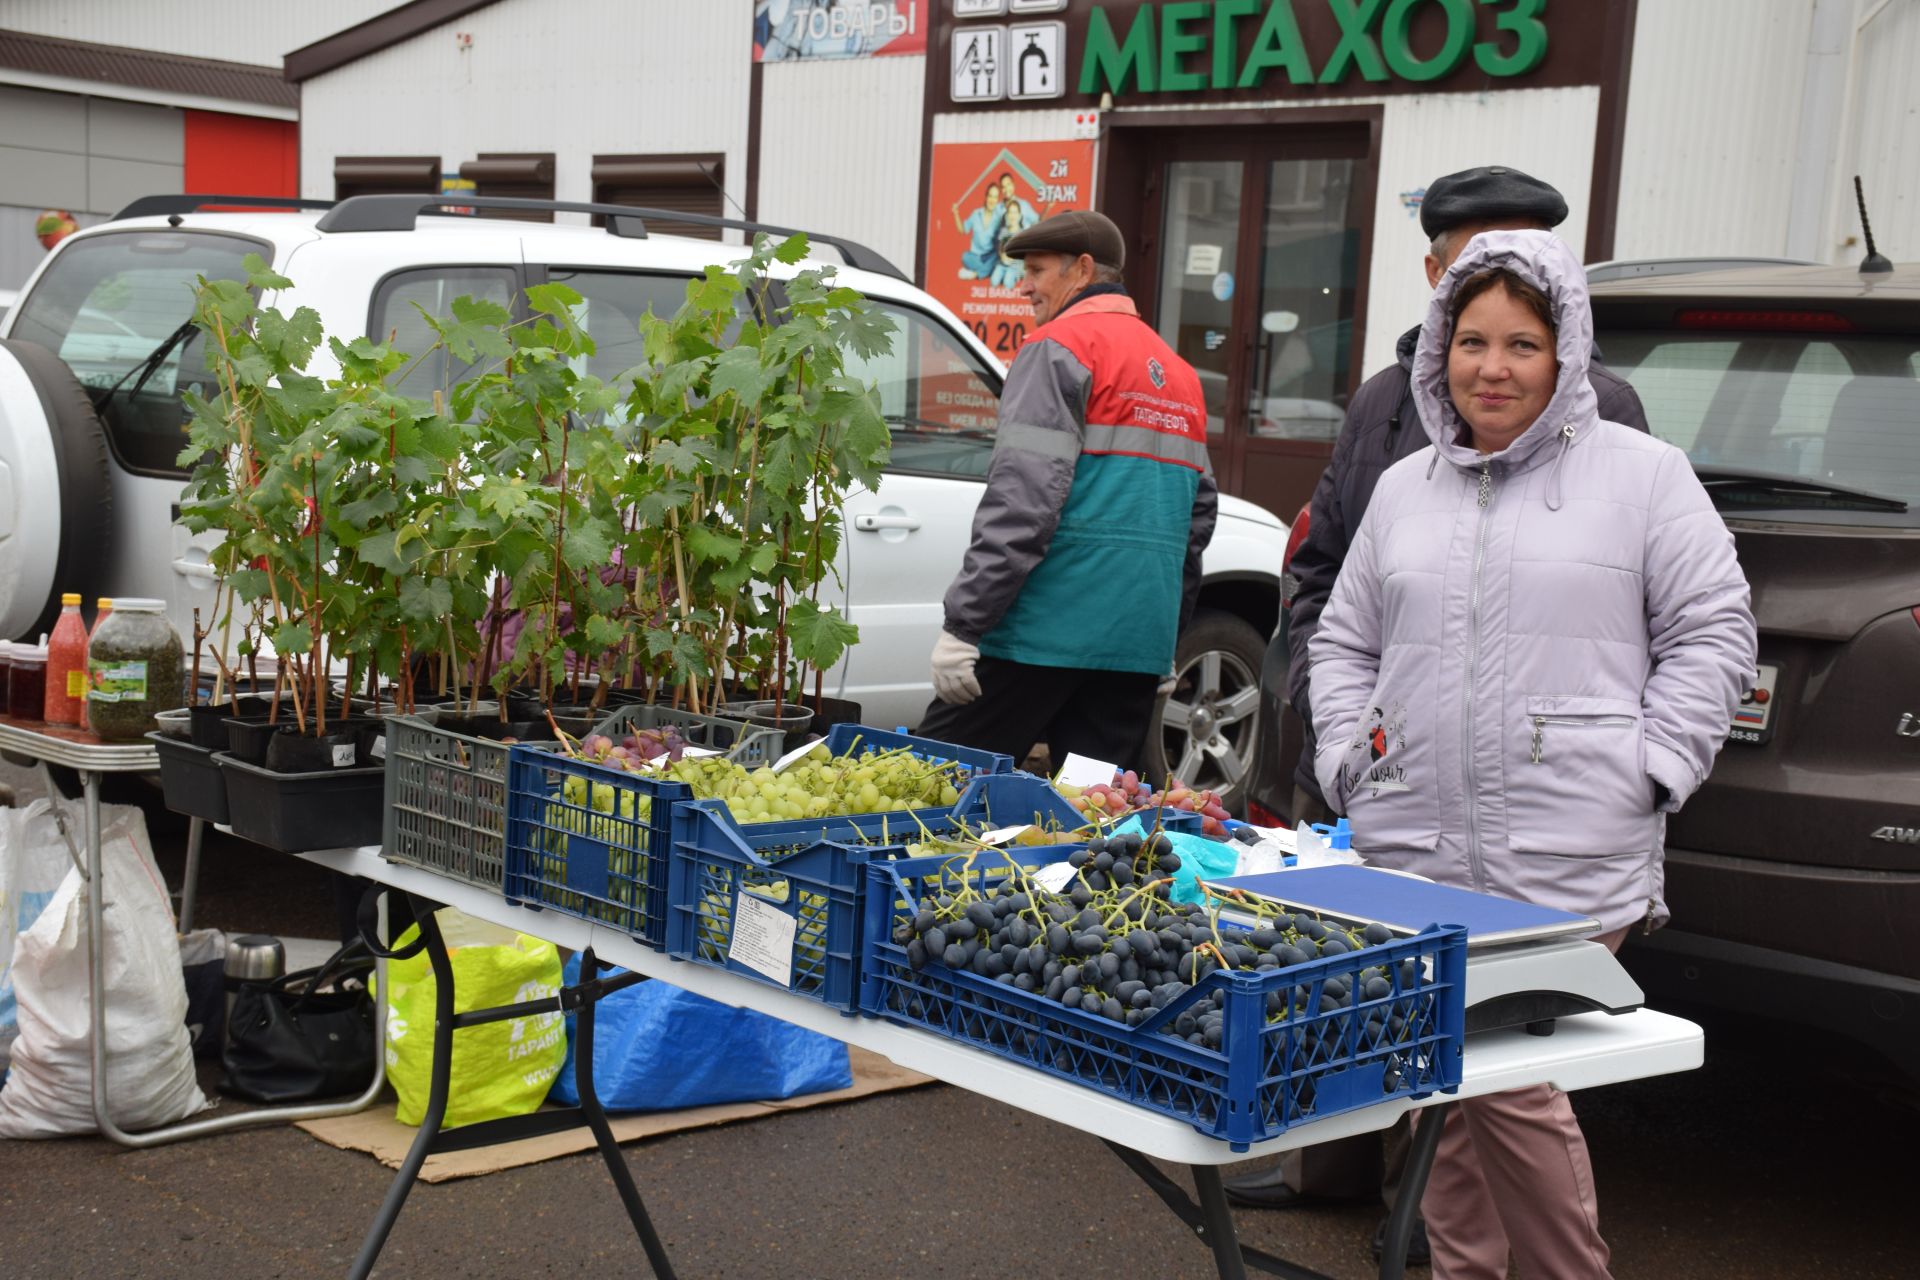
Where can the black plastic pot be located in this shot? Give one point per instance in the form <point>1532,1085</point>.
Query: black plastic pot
<point>347,744</point>
<point>247,739</point>
<point>295,812</point>
<point>208,721</point>
<point>794,719</point>
<point>190,778</point>
<point>833,711</point>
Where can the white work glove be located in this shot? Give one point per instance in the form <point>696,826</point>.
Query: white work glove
<point>1166,686</point>
<point>953,679</point>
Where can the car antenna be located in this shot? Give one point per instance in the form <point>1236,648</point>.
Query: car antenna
<point>1874,264</point>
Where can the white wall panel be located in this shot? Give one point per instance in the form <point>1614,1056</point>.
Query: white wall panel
<point>1544,132</point>
<point>840,149</point>
<point>1884,142</point>
<point>257,31</point>
<point>579,78</point>
<point>1713,119</point>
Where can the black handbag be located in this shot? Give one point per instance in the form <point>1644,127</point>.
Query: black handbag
<point>288,1040</point>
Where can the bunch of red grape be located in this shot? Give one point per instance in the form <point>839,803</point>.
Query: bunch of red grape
<point>636,750</point>
<point>1129,792</point>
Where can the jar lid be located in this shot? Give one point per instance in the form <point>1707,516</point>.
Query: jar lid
<point>103,603</point>
<point>70,599</point>
<point>29,653</point>
<point>139,604</point>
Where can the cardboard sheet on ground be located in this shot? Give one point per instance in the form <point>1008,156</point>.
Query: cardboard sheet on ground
<point>377,1133</point>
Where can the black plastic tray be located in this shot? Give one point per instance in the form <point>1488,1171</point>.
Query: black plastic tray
<point>295,812</point>
<point>190,778</point>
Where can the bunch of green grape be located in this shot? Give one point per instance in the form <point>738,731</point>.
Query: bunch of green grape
<point>820,785</point>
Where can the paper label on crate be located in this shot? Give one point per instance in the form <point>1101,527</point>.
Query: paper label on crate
<point>793,756</point>
<point>1084,771</point>
<point>342,755</point>
<point>1002,835</point>
<point>694,753</point>
<point>1054,876</point>
<point>762,938</point>
<point>379,750</point>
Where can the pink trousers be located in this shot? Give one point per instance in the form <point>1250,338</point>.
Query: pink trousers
<point>1511,1179</point>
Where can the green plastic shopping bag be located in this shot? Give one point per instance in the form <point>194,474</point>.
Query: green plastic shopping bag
<point>499,1068</point>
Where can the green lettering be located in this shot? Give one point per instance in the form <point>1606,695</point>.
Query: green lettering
<point>1529,40</point>
<point>1356,19</point>
<point>1277,45</point>
<point>1453,51</point>
<point>1176,44</point>
<point>1108,64</point>
<point>1225,43</point>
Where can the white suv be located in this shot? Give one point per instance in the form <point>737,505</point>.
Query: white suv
<point>98,348</point>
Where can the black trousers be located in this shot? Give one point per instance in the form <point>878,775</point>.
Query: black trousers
<point>1102,714</point>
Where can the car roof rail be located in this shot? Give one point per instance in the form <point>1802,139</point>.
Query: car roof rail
<point>1648,268</point>
<point>158,206</point>
<point>390,212</point>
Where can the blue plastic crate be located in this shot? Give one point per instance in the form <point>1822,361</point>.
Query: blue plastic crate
<point>844,738</point>
<point>1264,1078</point>
<point>811,870</point>
<point>607,864</point>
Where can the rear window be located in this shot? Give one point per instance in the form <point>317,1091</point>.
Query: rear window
<point>1809,409</point>
<point>107,305</point>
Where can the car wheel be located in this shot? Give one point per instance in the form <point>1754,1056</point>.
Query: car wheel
<point>1206,731</point>
<point>49,432</point>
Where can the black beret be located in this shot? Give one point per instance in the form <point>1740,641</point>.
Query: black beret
<point>1488,193</point>
<point>1074,233</point>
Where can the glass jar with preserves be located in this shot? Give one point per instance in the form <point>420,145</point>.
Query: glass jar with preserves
<point>134,665</point>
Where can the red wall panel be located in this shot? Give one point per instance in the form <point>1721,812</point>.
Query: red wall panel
<point>241,155</point>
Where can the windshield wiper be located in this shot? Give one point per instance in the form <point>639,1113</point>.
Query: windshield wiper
<point>907,424</point>
<point>1812,494</point>
<point>146,368</point>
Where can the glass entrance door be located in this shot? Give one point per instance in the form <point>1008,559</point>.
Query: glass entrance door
<point>1256,283</point>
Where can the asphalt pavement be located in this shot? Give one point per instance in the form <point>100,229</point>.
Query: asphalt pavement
<point>1759,1165</point>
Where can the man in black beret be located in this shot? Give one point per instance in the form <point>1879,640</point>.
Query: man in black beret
<point>1099,477</point>
<point>1381,427</point>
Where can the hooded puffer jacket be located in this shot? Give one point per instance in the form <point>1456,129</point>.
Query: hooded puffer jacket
<point>1530,657</point>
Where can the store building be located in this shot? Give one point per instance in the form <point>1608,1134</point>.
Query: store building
<point>1267,157</point>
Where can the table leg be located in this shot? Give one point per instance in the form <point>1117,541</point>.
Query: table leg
<point>1227,1258</point>
<point>190,880</point>
<point>1413,1185</point>
<point>97,1020</point>
<point>1211,1219</point>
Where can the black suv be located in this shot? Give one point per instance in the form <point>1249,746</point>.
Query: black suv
<point>1794,873</point>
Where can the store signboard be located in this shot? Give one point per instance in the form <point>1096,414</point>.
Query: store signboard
<point>792,30</point>
<point>979,64</point>
<point>981,194</point>
<point>1036,58</point>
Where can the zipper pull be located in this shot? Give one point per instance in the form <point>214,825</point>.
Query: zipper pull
<point>1539,732</point>
<point>1646,925</point>
<point>1486,483</point>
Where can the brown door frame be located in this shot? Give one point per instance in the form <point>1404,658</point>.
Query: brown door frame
<point>1139,147</point>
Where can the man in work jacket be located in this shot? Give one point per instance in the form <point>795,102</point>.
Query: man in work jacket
<point>1085,556</point>
<point>1381,428</point>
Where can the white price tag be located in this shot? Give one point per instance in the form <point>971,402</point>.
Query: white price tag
<point>695,753</point>
<point>1054,876</point>
<point>793,755</point>
<point>762,938</point>
<point>380,747</point>
<point>342,755</point>
<point>1001,835</point>
<point>1084,771</point>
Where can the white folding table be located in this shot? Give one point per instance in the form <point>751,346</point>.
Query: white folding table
<point>1584,1051</point>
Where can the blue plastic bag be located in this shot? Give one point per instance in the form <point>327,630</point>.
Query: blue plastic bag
<point>658,1048</point>
<point>1199,857</point>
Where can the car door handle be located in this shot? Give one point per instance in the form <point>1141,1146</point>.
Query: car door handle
<point>874,523</point>
<point>198,569</point>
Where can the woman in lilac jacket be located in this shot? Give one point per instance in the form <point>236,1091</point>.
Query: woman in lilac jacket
<point>1531,656</point>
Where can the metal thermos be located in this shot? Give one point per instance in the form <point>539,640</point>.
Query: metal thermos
<point>252,957</point>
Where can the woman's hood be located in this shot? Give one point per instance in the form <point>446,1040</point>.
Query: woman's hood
<point>1544,261</point>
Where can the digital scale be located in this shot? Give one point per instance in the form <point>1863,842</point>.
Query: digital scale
<point>1526,965</point>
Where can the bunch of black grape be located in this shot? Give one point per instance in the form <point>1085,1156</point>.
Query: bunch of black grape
<point>1111,943</point>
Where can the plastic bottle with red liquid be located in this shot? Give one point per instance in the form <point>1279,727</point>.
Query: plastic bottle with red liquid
<point>66,694</point>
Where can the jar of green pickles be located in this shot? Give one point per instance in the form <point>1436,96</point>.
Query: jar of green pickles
<point>134,661</point>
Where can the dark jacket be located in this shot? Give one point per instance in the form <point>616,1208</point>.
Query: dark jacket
<point>1381,427</point>
<point>1099,484</point>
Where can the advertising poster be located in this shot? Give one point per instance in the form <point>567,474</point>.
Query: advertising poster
<point>787,30</point>
<point>982,193</point>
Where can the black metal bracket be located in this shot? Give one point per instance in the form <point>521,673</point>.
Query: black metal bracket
<point>487,1133</point>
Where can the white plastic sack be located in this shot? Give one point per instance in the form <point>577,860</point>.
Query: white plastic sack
<point>33,862</point>
<point>149,1062</point>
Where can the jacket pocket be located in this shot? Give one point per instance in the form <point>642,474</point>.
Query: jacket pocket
<point>1387,782</point>
<point>1576,778</point>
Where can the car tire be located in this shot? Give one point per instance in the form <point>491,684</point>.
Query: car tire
<point>85,480</point>
<point>1206,732</point>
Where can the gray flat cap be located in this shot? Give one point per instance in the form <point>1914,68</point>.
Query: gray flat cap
<point>1074,233</point>
<point>1487,193</point>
